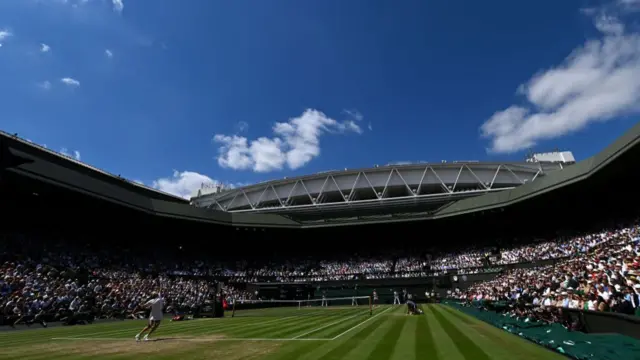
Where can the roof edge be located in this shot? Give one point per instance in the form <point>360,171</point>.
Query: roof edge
<point>555,180</point>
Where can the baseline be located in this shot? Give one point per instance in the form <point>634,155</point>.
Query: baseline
<point>187,339</point>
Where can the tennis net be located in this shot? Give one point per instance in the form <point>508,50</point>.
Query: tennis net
<point>313,307</point>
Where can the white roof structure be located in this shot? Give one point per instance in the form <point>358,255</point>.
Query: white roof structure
<point>563,157</point>
<point>399,185</point>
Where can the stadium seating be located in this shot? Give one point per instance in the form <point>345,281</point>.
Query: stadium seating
<point>601,275</point>
<point>52,279</point>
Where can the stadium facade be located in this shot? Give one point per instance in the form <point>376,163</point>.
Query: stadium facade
<point>367,196</point>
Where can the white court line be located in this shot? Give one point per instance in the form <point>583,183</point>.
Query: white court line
<point>189,325</point>
<point>254,323</point>
<point>325,326</point>
<point>190,340</point>
<point>369,319</point>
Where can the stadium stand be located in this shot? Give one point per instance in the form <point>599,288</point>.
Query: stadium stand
<point>72,258</point>
<point>51,279</point>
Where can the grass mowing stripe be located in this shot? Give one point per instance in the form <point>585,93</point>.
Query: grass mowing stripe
<point>365,349</point>
<point>325,326</point>
<point>258,329</point>
<point>128,327</point>
<point>103,324</point>
<point>406,344</point>
<point>513,351</point>
<point>296,350</point>
<point>305,327</point>
<point>362,323</point>
<point>519,348</point>
<point>339,349</point>
<point>384,348</point>
<point>299,327</point>
<point>467,347</point>
<point>264,331</point>
<point>292,350</point>
<point>445,347</point>
<point>164,329</point>
<point>131,328</point>
<point>424,345</point>
<point>343,345</point>
<point>333,331</point>
<point>219,351</point>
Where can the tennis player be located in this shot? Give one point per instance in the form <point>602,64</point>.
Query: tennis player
<point>396,298</point>
<point>156,305</point>
<point>411,307</point>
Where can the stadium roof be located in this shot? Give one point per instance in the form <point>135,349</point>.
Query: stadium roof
<point>570,175</point>
<point>48,166</point>
<point>41,164</point>
<point>376,188</point>
<point>56,160</point>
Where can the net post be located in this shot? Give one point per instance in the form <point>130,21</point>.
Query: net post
<point>370,305</point>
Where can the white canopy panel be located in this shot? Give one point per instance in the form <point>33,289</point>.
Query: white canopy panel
<point>383,185</point>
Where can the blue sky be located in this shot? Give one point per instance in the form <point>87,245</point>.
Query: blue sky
<point>176,93</point>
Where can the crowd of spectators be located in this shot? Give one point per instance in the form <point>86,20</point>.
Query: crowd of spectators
<point>602,274</point>
<point>40,283</point>
<point>52,280</point>
<point>351,269</point>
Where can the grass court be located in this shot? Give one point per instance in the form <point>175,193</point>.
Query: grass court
<point>278,334</point>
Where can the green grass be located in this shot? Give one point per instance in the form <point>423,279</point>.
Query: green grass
<point>441,333</point>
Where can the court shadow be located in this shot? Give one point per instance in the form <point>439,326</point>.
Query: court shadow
<point>164,339</point>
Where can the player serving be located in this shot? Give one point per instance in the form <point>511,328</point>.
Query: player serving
<point>155,304</point>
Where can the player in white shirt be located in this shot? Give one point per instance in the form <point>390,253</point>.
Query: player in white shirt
<point>396,298</point>
<point>156,304</point>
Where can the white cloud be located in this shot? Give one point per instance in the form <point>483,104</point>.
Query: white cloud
<point>183,184</point>
<point>296,142</point>
<point>118,5</point>
<point>108,53</point>
<point>629,2</point>
<point>242,126</point>
<point>70,81</point>
<point>355,114</point>
<point>4,34</point>
<point>629,6</point>
<point>598,81</point>
<point>72,154</point>
<point>609,24</point>
<point>45,85</point>
<point>44,48</point>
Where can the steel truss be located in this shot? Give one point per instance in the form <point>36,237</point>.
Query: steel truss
<point>386,186</point>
